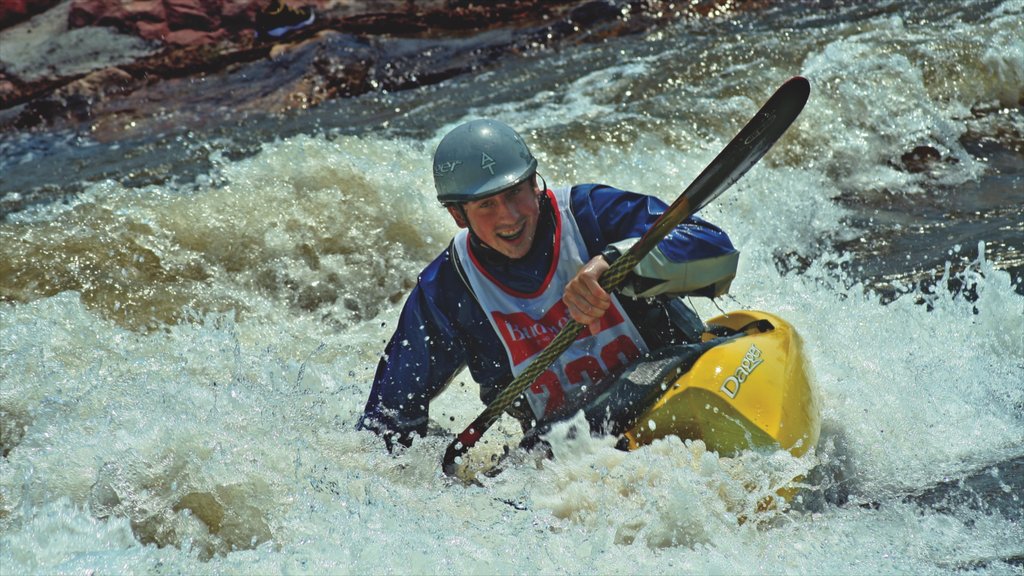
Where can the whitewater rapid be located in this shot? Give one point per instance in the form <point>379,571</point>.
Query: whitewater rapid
<point>183,364</point>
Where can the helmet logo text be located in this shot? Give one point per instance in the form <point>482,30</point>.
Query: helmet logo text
<point>486,163</point>
<point>446,167</point>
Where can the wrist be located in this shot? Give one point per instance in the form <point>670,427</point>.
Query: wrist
<point>611,254</point>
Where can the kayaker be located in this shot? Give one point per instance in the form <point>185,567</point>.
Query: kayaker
<point>525,260</point>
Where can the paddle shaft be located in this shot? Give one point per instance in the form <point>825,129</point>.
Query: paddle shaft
<point>745,149</point>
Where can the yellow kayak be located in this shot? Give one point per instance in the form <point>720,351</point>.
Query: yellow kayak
<point>744,386</point>
<point>748,391</point>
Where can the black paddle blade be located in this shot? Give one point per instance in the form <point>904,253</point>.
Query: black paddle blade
<point>745,150</point>
<point>753,141</point>
<point>749,146</point>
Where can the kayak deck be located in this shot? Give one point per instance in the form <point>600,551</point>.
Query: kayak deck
<point>746,392</point>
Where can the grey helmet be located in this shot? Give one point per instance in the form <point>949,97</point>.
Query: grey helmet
<point>478,159</point>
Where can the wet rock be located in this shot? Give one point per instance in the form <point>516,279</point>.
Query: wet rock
<point>593,12</point>
<point>920,158</point>
<point>14,422</point>
<point>352,48</point>
<point>75,100</point>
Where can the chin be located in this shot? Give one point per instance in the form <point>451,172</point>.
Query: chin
<point>519,251</point>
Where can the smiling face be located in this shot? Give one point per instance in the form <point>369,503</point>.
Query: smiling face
<point>507,221</point>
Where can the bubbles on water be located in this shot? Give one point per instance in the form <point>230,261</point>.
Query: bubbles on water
<point>867,134</point>
<point>169,502</point>
<point>335,228</point>
<point>889,372</point>
<point>667,494</point>
<point>190,436</point>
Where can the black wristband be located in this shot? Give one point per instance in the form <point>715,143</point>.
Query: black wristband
<point>611,254</point>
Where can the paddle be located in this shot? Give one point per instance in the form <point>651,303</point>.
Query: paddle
<point>745,149</point>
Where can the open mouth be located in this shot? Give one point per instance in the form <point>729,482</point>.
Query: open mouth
<point>514,235</point>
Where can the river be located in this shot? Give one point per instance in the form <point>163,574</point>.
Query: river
<point>189,327</point>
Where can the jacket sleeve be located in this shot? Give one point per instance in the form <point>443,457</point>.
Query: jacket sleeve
<point>419,361</point>
<point>695,258</point>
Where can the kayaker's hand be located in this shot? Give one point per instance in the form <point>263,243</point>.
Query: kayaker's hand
<point>586,300</point>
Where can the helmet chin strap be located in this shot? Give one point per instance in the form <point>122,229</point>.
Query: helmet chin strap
<point>461,207</point>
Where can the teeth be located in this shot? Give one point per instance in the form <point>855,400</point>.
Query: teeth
<point>511,235</point>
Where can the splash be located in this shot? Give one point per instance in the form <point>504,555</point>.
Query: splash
<point>670,493</point>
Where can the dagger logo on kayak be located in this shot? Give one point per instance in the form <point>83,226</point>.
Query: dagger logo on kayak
<point>751,360</point>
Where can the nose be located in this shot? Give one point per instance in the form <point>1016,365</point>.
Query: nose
<point>508,209</point>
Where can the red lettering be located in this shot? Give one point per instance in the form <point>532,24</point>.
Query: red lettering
<point>619,352</point>
<point>548,382</point>
<point>550,391</point>
<point>526,336</point>
<point>583,370</point>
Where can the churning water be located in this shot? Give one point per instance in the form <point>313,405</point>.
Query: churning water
<point>184,356</point>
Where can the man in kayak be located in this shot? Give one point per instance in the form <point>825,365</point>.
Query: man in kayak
<point>527,259</point>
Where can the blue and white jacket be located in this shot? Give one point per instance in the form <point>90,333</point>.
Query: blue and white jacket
<point>445,326</point>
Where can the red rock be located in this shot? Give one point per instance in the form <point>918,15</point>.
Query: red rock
<point>331,59</point>
<point>14,11</point>
<point>180,22</point>
<point>192,14</point>
<point>143,10</point>
<point>193,37</point>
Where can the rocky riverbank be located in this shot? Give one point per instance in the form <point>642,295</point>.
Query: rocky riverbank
<point>102,65</point>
